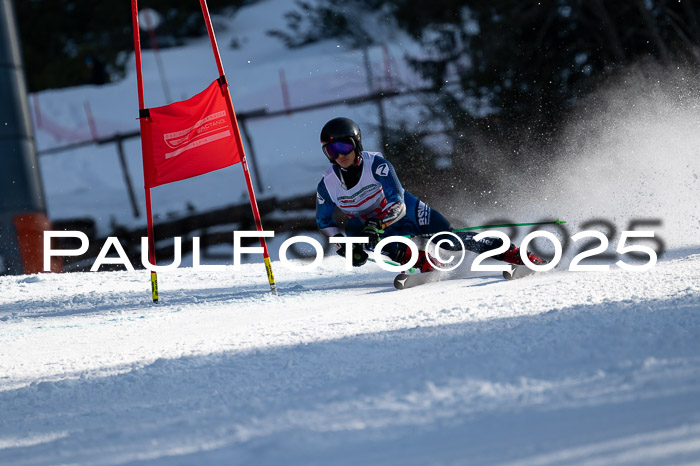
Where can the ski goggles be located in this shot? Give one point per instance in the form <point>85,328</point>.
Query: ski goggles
<point>337,148</point>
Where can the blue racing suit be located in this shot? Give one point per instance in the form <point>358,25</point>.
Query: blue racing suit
<point>378,194</point>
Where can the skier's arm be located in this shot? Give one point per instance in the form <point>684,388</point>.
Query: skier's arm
<point>325,208</point>
<point>395,208</point>
<point>393,214</point>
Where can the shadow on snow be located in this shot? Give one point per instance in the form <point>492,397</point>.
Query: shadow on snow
<point>584,383</point>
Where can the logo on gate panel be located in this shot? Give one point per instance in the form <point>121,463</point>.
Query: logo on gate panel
<point>423,214</point>
<point>209,129</point>
<point>382,170</point>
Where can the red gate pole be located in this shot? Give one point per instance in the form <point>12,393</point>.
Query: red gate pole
<point>146,149</point>
<point>251,193</point>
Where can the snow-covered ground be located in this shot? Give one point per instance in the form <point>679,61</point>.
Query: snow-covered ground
<point>558,368</point>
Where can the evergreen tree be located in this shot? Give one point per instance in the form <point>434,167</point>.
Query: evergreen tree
<point>64,40</point>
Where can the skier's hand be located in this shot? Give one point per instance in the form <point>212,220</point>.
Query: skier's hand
<point>359,256</point>
<point>373,230</point>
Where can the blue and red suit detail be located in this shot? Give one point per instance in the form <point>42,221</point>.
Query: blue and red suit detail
<point>419,218</point>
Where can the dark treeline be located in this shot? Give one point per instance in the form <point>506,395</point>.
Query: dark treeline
<point>536,58</point>
<point>523,57</point>
<point>68,42</point>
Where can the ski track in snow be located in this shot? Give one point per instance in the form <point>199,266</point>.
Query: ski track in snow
<point>558,368</point>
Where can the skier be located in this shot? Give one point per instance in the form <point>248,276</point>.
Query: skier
<point>364,186</point>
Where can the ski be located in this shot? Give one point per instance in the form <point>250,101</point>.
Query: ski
<point>518,271</point>
<point>410,280</point>
<point>405,280</point>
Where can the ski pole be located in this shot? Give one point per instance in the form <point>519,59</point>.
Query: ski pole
<point>395,264</point>
<point>481,227</point>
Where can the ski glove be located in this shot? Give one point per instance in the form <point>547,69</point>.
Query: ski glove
<point>359,256</point>
<point>373,230</point>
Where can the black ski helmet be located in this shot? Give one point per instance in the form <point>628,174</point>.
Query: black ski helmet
<point>342,129</point>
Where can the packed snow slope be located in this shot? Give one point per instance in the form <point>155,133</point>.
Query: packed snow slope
<point>340,368</point>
